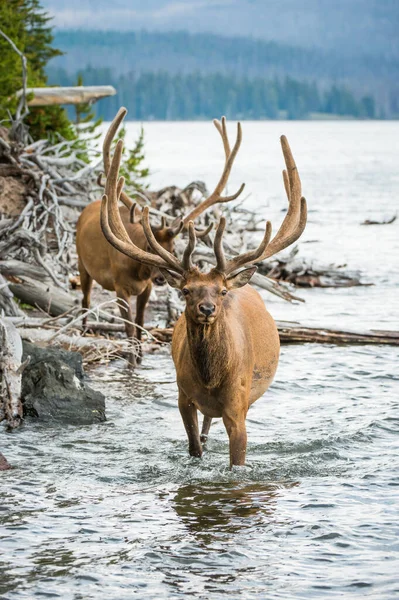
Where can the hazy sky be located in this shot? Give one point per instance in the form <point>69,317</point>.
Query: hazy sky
<point>358,26</point>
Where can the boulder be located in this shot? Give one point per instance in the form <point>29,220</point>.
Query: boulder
<point>54,390</point>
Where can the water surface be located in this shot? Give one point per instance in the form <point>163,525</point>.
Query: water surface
<point>119,510</point>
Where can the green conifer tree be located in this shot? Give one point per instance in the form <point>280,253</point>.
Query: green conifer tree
<point>27,25</point>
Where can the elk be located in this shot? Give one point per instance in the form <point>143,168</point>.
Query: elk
<point>100,261</point>
<point>225,345</point>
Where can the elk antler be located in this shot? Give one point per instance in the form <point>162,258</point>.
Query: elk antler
<point>115,232</point>
<point>230,155</point>
<point>290,230</point>
<point>113,128</point>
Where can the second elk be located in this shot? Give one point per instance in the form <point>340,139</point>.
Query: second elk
<point>225,345</point>
<point>130,275</point>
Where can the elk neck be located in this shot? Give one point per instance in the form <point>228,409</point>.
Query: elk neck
<point>210,349</point>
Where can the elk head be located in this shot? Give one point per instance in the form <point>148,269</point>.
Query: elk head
<point>205,293</point>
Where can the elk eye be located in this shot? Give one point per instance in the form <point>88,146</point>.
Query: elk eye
<point>185,291</point>
<point>224,292</point>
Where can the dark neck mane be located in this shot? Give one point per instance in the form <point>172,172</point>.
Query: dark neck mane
<point>209,348</point>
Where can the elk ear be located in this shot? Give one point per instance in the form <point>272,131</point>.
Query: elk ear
<point>173,279</point>
<point>241,278</point>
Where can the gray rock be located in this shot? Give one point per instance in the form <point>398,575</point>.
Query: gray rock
<point>53,388</point>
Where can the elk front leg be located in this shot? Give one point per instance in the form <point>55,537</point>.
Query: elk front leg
<point>190,419</point>
<point>141,303</point>
<point>127,315</point>
<point>234,421</point>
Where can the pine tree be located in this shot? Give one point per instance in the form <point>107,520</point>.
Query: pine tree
<point>27,25</point>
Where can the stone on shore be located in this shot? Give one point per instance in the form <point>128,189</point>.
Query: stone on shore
<point>54,390</point>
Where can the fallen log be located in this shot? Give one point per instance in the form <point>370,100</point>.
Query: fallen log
<point>52,300</point>
<point>68,95</point>
<point>290,333</point>
<point>295,333</point>
<point>17,268</point>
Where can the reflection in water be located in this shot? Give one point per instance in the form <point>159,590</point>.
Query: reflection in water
<point>211,510</point>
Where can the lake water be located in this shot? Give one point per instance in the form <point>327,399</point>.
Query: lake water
<point>119,510</point>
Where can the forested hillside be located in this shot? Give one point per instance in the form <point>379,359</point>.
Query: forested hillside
<point>241,76</point>
<point>164,96</point>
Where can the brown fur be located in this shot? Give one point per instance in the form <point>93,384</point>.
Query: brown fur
<point>224,366</point>
<point>114,271</point>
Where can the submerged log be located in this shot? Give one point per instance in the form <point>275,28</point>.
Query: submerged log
<point>383,222</point>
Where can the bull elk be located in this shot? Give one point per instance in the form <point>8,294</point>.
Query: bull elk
<point>100,261</point>
<point>225,345</point>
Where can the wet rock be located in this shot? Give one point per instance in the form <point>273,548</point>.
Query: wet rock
<point>53,388</point>
<point>4,464</point>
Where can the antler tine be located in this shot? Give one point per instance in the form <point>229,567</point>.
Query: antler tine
<point>218,246</point>
<point>113,128</point>
<point>230,155</point>
<point>168,258</point>
<point>204,232</point>
<point>177,228</point>
<point>111,222</point>
<point>293,224</point>
<point>187,262</point>
<point>295,220</point>
<point>253,255</point>
<point>222,129</point>
<point>161,226</point>
<point>133,213</point>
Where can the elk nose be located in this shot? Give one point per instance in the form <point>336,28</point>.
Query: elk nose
<point>159,280</point>
<point>207,309</point>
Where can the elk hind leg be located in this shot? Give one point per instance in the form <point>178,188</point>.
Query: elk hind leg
<point>126,314</point>
<point>190,419</point>
<point>206,425</point>
<point>86,283</point>
<point>141,303</point>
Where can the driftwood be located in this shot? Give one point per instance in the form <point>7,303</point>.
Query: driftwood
<point>67,95</point>
<point>8,305</point>
<point>302,273</point>
<point>10,374</point>
<point>48,298</point>
<point>383,222</point>
<point>294,333</point>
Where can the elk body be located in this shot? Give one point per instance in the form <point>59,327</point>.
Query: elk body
<point>225,345</point>
<point>100,261</point>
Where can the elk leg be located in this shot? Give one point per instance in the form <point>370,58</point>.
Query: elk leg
<point>141,303</point>
<point>190,419</point>
<point>126,313</point>
<point>86,283</point>
<point>206,425</point>
<point>235,427</point>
